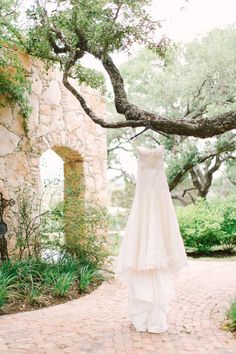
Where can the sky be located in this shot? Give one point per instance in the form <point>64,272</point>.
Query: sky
<point>183,21</point>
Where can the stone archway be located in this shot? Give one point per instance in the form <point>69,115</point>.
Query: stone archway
<point>57,122</point>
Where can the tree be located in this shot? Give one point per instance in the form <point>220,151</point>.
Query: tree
<point>198,78</point>
<point>63,31</point>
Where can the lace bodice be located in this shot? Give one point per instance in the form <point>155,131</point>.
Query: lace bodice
<point>151,158</point>
<point>151,172</point>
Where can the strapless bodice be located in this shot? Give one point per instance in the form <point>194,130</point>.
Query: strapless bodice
<point>151,158</point>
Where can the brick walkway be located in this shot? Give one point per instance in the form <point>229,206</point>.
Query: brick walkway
<point>97,323</point>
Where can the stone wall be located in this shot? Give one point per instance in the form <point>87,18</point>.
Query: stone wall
<point>57,122</point>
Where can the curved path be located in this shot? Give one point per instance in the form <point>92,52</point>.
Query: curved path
<point>97,323</point>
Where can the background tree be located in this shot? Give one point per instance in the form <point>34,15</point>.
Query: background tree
<point>194,79</point>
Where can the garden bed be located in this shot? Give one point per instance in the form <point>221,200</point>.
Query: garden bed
<point>17,306</point>
<point>32,284</point>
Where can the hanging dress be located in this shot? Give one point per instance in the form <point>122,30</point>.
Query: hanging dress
<point>152,251</point>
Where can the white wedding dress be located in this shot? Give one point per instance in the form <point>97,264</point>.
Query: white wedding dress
<point>152,251</point>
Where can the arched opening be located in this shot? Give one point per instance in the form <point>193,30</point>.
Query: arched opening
<point>52,179</point>
<point>62,184</point>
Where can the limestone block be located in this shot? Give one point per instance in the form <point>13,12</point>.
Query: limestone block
<point>6,116</point>
<point>91,142</point>
<point>55,139</point>
<point>44,119</point>
<point>70,101</point>
<point>103,197</point>
<point>16,169</point>
<point>100,130</point>
<point>101,145</point>
<point>72,121</point>
<point>46,109</point>
<point>90,183</point>
<point>63,139</point>
<point>33,120</point>
<point>57,121</point>
<point>100,182</point>
<point>53,93</point>
<point>86,169</point>
<point>37,85</point>
<point>58,125</point>
<point>58,75</point>
<point>97,166</point>
<point>18,123</point>
<point>41,143</point>
<point>34,163</point>
<point>42,130</point>
<point>2,184</point>
<point>9,141</point>
<point>2,169</point>
<point>26,144</point>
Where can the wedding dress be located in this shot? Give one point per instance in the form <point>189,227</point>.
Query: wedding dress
<point>152,251</point>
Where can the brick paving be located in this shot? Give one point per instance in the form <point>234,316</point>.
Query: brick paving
<point>97,323</point>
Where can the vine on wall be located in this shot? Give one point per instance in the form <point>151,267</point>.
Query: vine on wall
<point>14,84</point>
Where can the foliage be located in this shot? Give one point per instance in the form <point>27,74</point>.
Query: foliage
<point>33,281</point>
<point>186,155</point>
<point>198,80</point>
<point>14,85</point>
<point>232,315</point>
<point>26,222</point>
<point>62,284</point>
<point>208,224</point>
<point>228,227</point>
<point>86,274</point>
<point>75,226</point>
<point>90,77</point>
<point>85,224</point>
<point>231,170</point>
<point>101,25</point>
<point>6,284</point>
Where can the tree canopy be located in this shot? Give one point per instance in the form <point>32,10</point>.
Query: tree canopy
<point>197,79</point>
<point>63,31</point>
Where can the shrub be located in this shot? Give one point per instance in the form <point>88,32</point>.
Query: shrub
<point>208,224</point>
<point>228,228</point>
<point>26,221</point>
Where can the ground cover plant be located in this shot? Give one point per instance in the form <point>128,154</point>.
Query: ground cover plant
<point>232,315</point>
<point>33,283</point>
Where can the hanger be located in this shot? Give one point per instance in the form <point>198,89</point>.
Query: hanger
<point>148,126</point>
